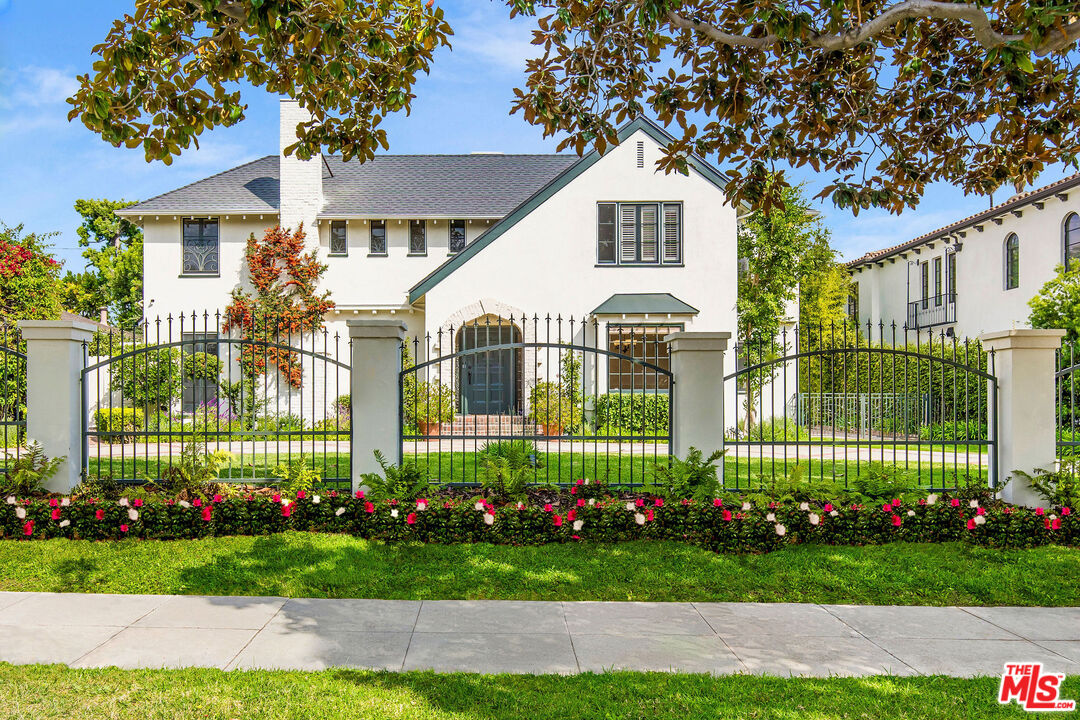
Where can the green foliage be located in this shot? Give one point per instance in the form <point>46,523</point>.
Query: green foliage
<point>773,430</point>
<point>244,401</point>
<point>549,404</point>
<point>1057,304</point>
<point>202,366</point>
<point>509,466</point>
<point>28,473</point>
<point>114,264</point>
<point>431,402</point>
<point>195,475</point>
<point>645,413</point>
<point>397,482</point>
<point>958,431</point>
<point>296,475</point>
<point>571,379</point>
<point>119,420</point>
<point>695,477</point>
<point>150,378</point>
<point>1057,487</point>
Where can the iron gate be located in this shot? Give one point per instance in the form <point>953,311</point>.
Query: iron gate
<point>583,401</point>
<point>874,403</point>
<point>273,398</point>
<point>12,394</point>
<point>1068,420</point>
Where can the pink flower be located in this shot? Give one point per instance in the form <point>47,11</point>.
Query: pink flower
<point>197,502</point>
<point>206,514</point>
<point>955,502</point>
<point>300,494</point>
<point>828,507</point>
<point>359,494</point>
<point>410,518</point>
<point>558,520</point>
<point>886,508</point>
<point>99,514</point>
<point>28,528</point>
<point>684,501</point>
<point>123,528</point>
<point>649,515</point>
<point>573,491</point>
<point>1055,524</point>
<point>56,514</point>
<point>1046,522</point>
<point>1040,511</point>
<point>639,502</point>
<point>138,502</point>
<point>579,481</point>
<point>727,516</point>
<point>286,510</point>
<point>369,507</point>
<point>218,498</point>
<point>333,493</point>
<point>393,502</point>
<point>276,498</point>
<point>54,503</point>
<point>581,502</point>
<point>980,511</point>
<point>1066,511</point>
<point>571,515</point>
<point>896,502</point>
<point>971,524</point>
<point>717,502</point>
<point>547,507</point>
<point>896,521</point>
<point>421,504</point>
<point>659,502</point>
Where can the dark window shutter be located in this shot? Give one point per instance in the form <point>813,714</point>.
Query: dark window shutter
<point>672,233</point>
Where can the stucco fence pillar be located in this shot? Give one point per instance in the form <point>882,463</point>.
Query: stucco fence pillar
<point>54,363</point>
<point>1024,364</point>
<point>376,369</point>
<point>697,367</point>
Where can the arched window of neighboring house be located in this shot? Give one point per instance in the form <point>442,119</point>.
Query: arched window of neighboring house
<point>1012,262</point>
<point>1072,240</point>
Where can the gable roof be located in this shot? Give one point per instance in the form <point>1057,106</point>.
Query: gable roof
<point>479,185</point>
<point>644,303</point>
<point>1013,203</point>
<point>644,124</point>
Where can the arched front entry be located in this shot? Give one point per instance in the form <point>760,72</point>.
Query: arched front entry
<point>490,380</point>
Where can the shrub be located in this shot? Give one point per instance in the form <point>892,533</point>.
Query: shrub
<point>404,482</point>
<point>508,467</point>
<point>202,366</point>
<point>150,378</point>
<point>773,430</point>
<point>195,475</point>
<point>645,413</point>
<point>296,475</point>
<point>28,472</point>
<point>119,420</point>
<point>1056,487</point>
<point>434,403</point>
<point>694,477</point>
<point>969,431</point>
<point>550,405</point>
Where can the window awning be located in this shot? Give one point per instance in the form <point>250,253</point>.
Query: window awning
<point>644,304</point>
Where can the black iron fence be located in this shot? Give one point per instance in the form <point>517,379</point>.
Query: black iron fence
<point>931,311</point>
<point>537,401</point>
<point>870,404</point>
<point>1066,378</point>
<point>12,394</point>
<point>194,397</point>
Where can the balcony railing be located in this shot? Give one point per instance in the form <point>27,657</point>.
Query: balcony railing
<point>932,311</point>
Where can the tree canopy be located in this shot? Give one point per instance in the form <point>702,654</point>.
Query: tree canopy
<point>29,277</point>
<point>1057,304</point>
<point>114,275</point>
<point>881,96</point>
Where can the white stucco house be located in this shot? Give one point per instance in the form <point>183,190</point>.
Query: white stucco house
<point>974,275</point>
<point>438,241</point>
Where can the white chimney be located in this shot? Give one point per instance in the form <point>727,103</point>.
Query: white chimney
<point>301,180</point>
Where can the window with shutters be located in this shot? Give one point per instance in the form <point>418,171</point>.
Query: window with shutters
<point>639,233</point>
<point>339,238</point>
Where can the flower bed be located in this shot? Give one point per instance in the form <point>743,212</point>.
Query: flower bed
<point>724,525</point>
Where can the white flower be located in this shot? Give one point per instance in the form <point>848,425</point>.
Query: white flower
<point>479,506</point>
<point>592,501</point>
<point>578,524</point>
<point>780,530</point>
<point>133,514</point>
<point>587,481</point>
<point>639,518</point>
<point>630,506</point>
<point>184,504</point>
<point>315,499</point>
<point>911,513</point>
<point>979,519</point>
<point>520,505</point>
<point>123,502</point>
<point>804,506</point>
<point>814,518</point>
<point>834,513</point>
<point>20,513</point>
<point>340,511</point>
<point>771,517</point>
<point>973,504</point>
<point>284,500</point>
<point>394,513</point>
<point>421,504</point>
<point>931,499</point>
<point>65,502</point>
<point>489,519</point>
<point>1052,517</point>
<point>10,499</point>
<point>746,506</point>
<point>64,523</point>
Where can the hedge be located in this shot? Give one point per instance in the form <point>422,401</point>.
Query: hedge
<point>634,412</point>
<point>119,420</point>
<point>718,525</point>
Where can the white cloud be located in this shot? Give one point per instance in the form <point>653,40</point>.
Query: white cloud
<point>488,36</point>
<point>33,97</point>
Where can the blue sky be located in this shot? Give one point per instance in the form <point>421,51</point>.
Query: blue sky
<point>46,163</point>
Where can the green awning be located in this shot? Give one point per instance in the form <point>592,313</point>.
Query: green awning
<point>644,304</point>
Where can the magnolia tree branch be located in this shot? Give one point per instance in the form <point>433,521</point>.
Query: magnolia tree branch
<point>975,16</point>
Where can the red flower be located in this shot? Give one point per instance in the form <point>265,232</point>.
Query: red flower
<point>1066,511</point>
<point>579,481</point>
<point>286,510</point>
<point>393,502</point>
<point>639,502</point>
<point>886,508</point>
<point>649,515</point>
<point>300,494</point>
<point>28,528</point>
<point>56,514</point>
<point>955,502</point>
<point>727,516</point>
<point>828,507</point>
<point>980,511</point>
<point>1040,511</point>
<point>369,507</point>
<point>1007,510</point>
<point>123,528</point>
<point>896,502</point>
<point>206,514</point>
<point>547,507</point>
<point>218,498</point>
<point>573,491</point>
<point>99,514</point>
<point>333,493</point>
<point>896,521</point>
<point>54,502</point>
<point>659,502</point>
<point>1056,524</point>
<point>197,502</point>
<point>1046,522</point>
<point>558,520</point>
<point>571,515</point>
<point>138,502</point>
<point>684,501</point>
<point>971,524</point>
<point>411,518</point>
<point>717,502</point>
<point>581,502</point>
<point>359,494</point>
<point>276,498</point>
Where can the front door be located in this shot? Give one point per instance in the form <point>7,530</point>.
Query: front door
<point>487,376</point>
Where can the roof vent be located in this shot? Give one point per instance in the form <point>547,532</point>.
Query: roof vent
<point>641,154</point>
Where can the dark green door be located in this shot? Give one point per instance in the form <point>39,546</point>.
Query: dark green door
<point>487,376</point>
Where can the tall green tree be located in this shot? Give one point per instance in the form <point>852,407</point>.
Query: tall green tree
<point>880,96</point>
<point>1057,304</point>
<point>113,277</point>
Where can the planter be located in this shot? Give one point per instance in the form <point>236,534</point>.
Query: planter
<point>552,430</point>
<point>430,429</point>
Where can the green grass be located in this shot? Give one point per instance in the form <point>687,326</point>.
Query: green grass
<point>313,565</point>
<point>43,692</point>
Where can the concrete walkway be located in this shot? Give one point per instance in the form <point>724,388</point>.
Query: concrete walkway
<point>155,631</point>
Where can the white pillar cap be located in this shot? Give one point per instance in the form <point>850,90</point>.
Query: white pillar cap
<point>1022,339</point>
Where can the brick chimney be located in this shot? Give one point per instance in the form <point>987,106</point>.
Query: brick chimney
<point>301,180</point>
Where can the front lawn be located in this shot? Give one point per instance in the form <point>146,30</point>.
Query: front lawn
<point>42,692</point>
<point>298,564</point>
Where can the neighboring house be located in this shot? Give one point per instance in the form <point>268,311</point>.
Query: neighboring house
<point>977,274</point>
<point>439,241</point>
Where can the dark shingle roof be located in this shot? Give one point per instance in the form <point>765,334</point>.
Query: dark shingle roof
<point>484,185</point>
<point>252,187</point>
<point>642,303</point>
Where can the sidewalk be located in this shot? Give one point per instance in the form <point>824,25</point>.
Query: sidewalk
<point>530,637</point>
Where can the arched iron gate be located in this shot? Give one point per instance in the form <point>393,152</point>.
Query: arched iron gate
<point>587,401</point>
<point>12,394</point>
<point>876,404</point>
<point>275,401</point>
